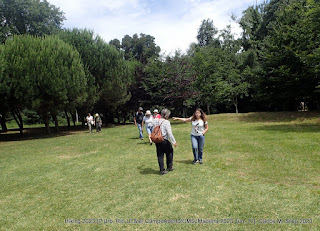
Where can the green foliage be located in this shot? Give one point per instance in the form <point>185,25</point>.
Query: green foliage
<point>111,74</point>
<point>140,48</point>
<point>206,33</point>
<point>290,75</point>
<point>42,73</point>
<point>34,17</point>
<point>171,82</point>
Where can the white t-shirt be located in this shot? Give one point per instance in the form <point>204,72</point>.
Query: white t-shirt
<point>197,127</point>
<point>90,119</point>
<point>148,121</point>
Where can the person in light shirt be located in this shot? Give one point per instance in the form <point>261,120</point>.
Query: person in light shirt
<point>198,130</point>
<point>165,147</point>
<point>147,120</point>
<point>90,121</point>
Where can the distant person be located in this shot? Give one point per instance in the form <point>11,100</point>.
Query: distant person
<point>90,122</point>
<point>138,118</point>
<point>156,114</point>
<point>98,122</point>
<point>199,128</point>
<point>165,146</point>
<point>147,120</point>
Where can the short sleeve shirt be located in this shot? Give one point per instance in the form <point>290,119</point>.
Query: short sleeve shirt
<point>148,121</point>
<point>198,127</point>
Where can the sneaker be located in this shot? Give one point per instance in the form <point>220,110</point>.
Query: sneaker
<point>194,161</point>
<point>200,162</point>
<point>164,172</point>
<point>170,169</point>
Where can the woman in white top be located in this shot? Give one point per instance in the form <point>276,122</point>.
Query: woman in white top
<point>90,122</point>
<point>147,120</point>
<point>199,128</point>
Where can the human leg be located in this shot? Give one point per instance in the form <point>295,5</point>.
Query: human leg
<point>200,147</point>
<point>160,155</point>
<point>90,126</point>
<point>169,154</point>
<point>140,131</point>
<point>149,131</point>
<point>194,143</point>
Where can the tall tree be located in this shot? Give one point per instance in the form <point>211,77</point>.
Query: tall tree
<point>206,33</point>
<point>289,79</point>
<point>42,73</point>
<point>34,17</point>
<point>112,76</point>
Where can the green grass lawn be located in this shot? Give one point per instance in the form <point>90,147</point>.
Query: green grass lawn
<point>258,168</point>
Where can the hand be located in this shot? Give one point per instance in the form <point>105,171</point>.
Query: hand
<point>175,144</point>
<point>174,118</point>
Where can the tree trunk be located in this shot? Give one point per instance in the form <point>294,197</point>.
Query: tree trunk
<point>184,113</point>
<point>236,104</point>
<point>18,118</point>
<point>68,119</point>
<point>208,109</point>
<point>55,122</point>
<point>73,117</point>
<point>46,122</point>
<point>3,122</point>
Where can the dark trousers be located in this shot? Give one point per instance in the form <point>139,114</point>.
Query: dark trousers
<point>165,147</point>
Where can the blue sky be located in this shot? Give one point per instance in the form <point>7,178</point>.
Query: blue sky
<point>173,23</point>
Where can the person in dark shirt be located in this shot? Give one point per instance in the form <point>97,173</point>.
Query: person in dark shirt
<point>138,118</point>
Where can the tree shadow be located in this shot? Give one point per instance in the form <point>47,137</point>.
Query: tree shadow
<point>37,133</point>
<point>148,171</point>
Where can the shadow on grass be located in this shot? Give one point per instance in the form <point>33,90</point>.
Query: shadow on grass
<point>148,171</point>
<point>303,128</point>
<point>38,133</point>
<point>277,116</point>
<point>184,161</point>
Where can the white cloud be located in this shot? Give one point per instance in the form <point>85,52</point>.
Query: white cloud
<point>173,23</point>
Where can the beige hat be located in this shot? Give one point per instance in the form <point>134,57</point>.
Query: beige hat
<point>156,110</point>
<point>148,112</point>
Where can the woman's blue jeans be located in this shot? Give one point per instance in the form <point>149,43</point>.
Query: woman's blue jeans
<point>197,146</point>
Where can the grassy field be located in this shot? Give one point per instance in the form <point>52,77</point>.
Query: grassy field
<point>261,171</point>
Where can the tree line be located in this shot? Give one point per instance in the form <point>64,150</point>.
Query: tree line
<point>47,71</point>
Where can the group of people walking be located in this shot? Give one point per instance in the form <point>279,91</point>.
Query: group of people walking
<point>147,119</point>
<point>96,121</point>
<point>199,127</point>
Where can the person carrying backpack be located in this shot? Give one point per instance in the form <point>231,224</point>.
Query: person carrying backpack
<point>138,118</point>
<point>165,147</point>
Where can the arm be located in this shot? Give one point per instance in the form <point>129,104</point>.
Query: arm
<point>134,120</point>
<point>182,119</point>
<point>170,135</point>
<point>205,129</point>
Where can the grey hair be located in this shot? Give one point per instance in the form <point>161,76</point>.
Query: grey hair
<point>165,113</point>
